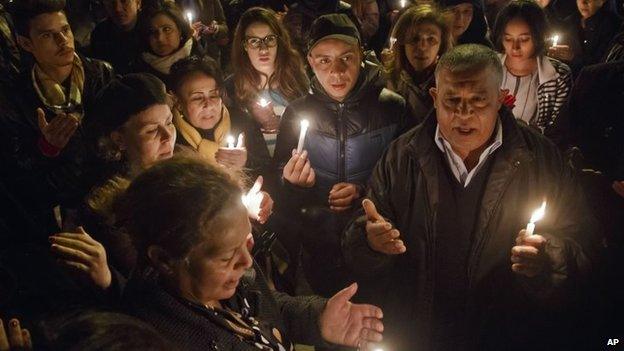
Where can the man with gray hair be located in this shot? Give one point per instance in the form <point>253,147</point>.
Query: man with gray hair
<point>441,240</point>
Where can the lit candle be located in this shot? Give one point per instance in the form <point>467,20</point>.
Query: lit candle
<point>402,2</point>
<point>555,40</point>
<point>189,16</point>
<point>536,216</point>
<point>392,41</point>
<point>241,141</point>
<point>230,142</point>
<point>263,102</point>
<point>302,134</point>
<point>253,198</point>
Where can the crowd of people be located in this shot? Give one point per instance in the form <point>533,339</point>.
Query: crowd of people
<point>265,174</point>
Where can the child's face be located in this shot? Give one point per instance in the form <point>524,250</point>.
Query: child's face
<point>588,8</point>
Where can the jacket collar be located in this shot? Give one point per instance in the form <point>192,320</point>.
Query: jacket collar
<point>370,79</point>
<point>545,70</point>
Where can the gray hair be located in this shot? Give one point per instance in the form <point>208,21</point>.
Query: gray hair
<point>470,58</point>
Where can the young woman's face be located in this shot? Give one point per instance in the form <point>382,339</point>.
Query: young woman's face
<point>423,46</point>
<point>147,137</point>
<point>200,101</point>
<point>588,8</point>
<point>518,41</point>
<point>459,16</point>
<point>209,274</point>
<point>165,36</point>
<point>261,47</point>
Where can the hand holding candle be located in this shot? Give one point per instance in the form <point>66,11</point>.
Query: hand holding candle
<point>528,256</point>
<point>258,203</point>
<point>234,155</point>
<point>302,134</point>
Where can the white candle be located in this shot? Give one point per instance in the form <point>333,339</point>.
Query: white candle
<point>189,16</point>
<point>536,216</point>
<point>241,141</point>
<point>302,134</point>
<point>402,2</point>
<point>230,142</point>
<point>253,199</point>
<point>555,40</point>
<point>392,41</point>
<point>263,102</point>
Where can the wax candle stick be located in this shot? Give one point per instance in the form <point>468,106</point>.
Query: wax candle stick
<point>302,134</point>
<point>230,141</point>
<point>241,141</point>
<point>253,199</point>
<point>403,3</point>
<point>536,216</point>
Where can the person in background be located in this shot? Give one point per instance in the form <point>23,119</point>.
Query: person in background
<point>352,118</point>
<point>10,58</point>
<point>52,102</point>
<point>166,37</point>
<point>195,282</point>
<point>201,118</point>
<point>422,36</point>
<point>367,12</point>
<point>442,238</point>
<point>209,24</point>
<point>587,35</point>
<point>467,21</point>
<point>116,39</point>
<point>268,75</point>
<point>539,84</point>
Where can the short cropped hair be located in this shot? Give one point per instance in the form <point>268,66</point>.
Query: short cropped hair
<point>23,11</point>
<point>529,12</point>
<point>470,58</point>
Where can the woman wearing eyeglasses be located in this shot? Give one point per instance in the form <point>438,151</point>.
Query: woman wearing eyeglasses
<point>268,74</point>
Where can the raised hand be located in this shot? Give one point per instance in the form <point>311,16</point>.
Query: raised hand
<point>349,324</point>
<point>298,171</point>
<point>382,237</point>
<point>58,131</point>
<point>17,338</point>
<point>80,252</point>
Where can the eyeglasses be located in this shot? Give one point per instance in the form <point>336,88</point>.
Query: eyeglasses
<point>269,41</point>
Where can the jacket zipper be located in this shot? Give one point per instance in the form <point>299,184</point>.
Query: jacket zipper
<point>341,127</point>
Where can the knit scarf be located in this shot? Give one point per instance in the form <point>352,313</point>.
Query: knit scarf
<point>163,64</point>
<point>54,95</point>
<point>205,147</point>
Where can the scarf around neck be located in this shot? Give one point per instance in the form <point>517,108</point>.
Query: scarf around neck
<point>54,95</point>
<point>205,147</point>
<point>163,64</point>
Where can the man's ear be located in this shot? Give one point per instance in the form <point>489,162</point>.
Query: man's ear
<point>433,91</point>
<point>160,259</point>
<point>118,139</point>
<point>310,61</point>
<point>25,43</point>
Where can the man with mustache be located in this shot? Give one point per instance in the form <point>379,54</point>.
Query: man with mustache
<point>47,153</point>
<point>116,39</point>
<point>352,120</point>
<point>442,239</point>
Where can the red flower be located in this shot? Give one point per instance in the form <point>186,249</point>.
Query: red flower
<point>509,100</point>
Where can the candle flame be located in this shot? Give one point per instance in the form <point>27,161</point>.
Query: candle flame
<point>305,123</point>
<point>189,16</point>
<point>555,40</point>
<point>263,102</point>
<point>402,3</point>
<point>230,141</point>
<point>538,213</point>
<point>253,199</point>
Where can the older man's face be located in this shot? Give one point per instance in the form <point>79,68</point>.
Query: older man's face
<point>467,108</point>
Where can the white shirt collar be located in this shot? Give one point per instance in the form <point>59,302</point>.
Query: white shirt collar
<point>457,164</point>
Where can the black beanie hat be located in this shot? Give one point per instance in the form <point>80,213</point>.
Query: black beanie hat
<point>336,26</point>
<point>126,96</point>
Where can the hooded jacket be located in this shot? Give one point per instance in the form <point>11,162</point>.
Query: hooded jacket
<point>501,308</point>
<point>344,141</point>
<point>476,33</point>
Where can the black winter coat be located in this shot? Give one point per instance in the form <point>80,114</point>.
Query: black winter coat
<point>344,141</point>
<point>502,308</point>
<point>40,182</point>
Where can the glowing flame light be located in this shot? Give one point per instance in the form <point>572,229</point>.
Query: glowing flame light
<point>189,16</point>
<point>263,102</point>
<point>538,213</point>
<point>253,199</point>
<point>230,141</point>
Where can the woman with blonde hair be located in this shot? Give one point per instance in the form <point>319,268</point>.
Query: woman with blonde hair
<point>422,35</point>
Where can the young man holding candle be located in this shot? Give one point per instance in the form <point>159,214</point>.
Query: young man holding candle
<point>442,238</point>
<point>352,118</point>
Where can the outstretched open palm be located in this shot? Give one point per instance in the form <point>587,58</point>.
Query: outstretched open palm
<point>349,324</point>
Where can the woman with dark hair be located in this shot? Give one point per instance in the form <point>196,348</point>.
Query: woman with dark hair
<point>540,84</point>
<point>422,35</point>
<point>166,38</point>
<point>200,117</point>
<point>268,74</point>
<point>194,281</point>
<point>467,21</point>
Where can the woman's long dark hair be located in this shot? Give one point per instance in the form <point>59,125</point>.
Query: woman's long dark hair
<point>289,77</point>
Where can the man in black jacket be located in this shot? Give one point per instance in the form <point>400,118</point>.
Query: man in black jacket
<point>45,150</point>
<point>442,240</point>
<point>352,120</point>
